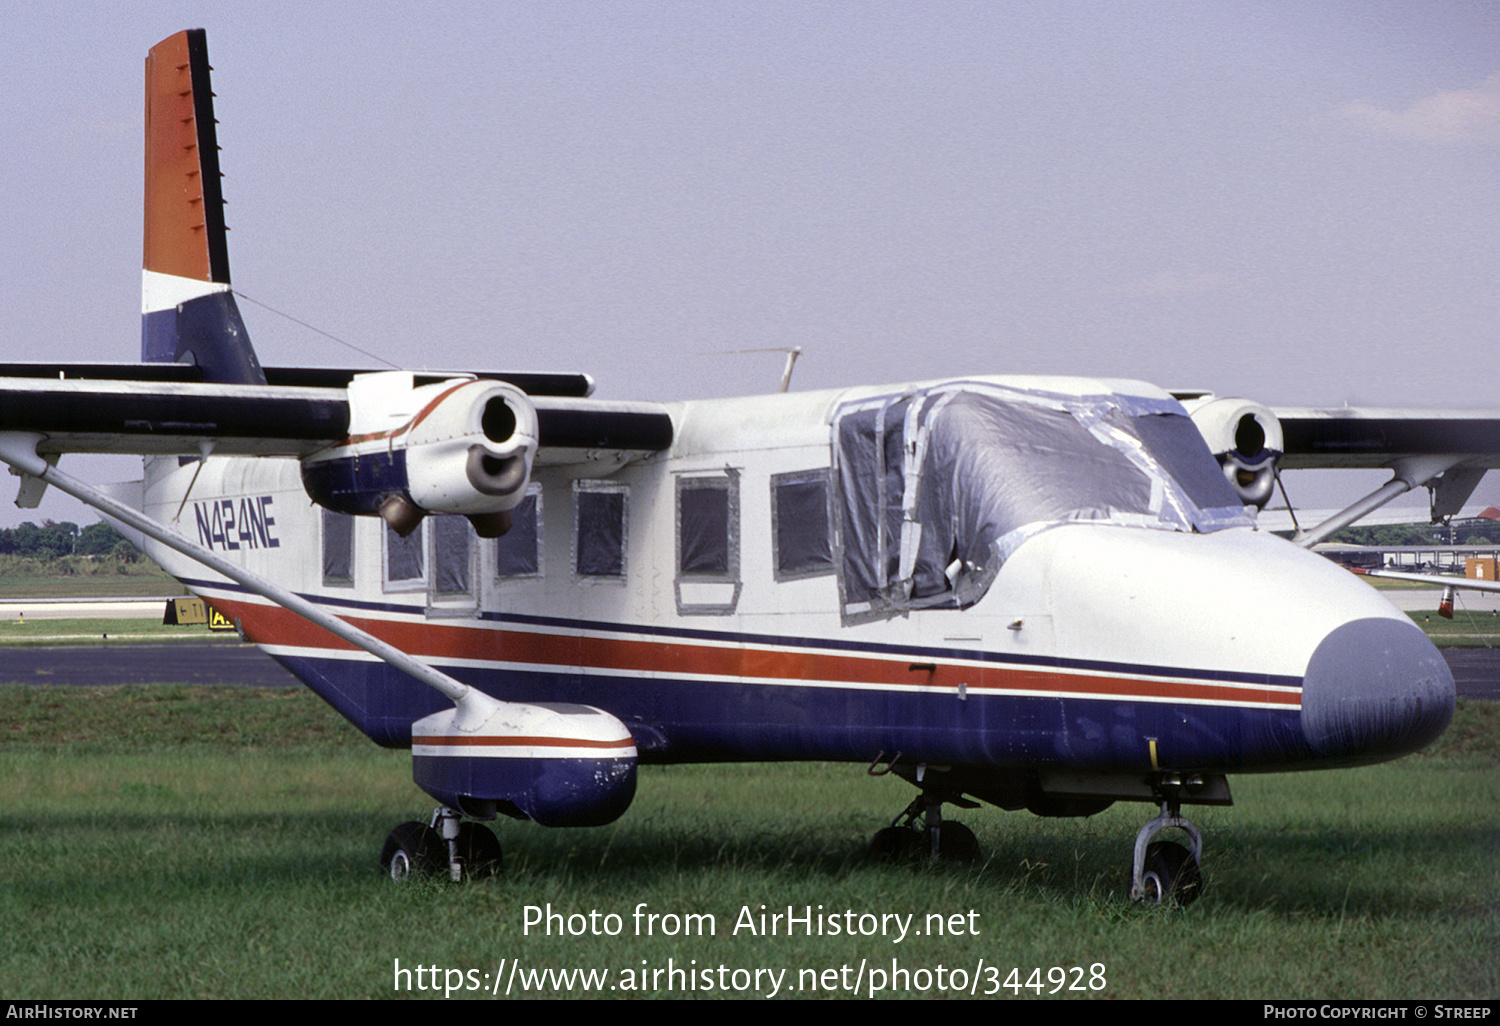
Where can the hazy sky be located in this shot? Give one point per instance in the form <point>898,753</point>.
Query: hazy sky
<point>1294,201</point>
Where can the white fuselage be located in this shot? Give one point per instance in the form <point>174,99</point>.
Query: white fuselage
<point>1096,644</point>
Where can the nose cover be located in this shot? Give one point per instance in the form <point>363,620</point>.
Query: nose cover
<point>1375,689</point>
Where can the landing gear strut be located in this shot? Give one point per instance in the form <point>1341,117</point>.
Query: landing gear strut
<point>423,849</point>
<point>1165,870</point>
<point>936,839</point>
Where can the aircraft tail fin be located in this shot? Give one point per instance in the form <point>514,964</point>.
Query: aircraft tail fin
<point>188,313</point>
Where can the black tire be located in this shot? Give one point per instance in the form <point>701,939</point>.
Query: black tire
<point>412,848</point>
<point>1170,874</point>
<point>897,844</point>
<point>480,851</point>
<point>957,844</point>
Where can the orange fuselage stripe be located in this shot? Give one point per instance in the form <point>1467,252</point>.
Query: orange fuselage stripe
<point>276,626</point>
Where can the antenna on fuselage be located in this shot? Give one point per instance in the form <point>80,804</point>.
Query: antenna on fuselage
<point>792,352</point>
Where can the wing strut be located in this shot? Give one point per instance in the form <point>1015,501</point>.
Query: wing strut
<point>19,450</point>
<point>1409,473</point>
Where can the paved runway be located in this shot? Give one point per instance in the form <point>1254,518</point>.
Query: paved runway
<point>1476,671</point>
<point>212,661</point>
<point>125,608</point>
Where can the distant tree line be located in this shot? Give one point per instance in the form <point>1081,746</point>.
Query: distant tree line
<point>1387,535</point>
<point>53,541</point>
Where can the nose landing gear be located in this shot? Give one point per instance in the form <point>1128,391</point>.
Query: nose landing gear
<point>1165,871</point>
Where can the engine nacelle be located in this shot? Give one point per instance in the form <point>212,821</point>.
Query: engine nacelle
<point>1245,437</point>
<point>458,446</point>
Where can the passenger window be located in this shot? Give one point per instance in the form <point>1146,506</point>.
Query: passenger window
<point>599,530</point>
<point>799,525</point>
<point>451,556</point>
<point>708,543</point>
<point>518,552</point>
<point>404,566</point>
<point>338,549</point>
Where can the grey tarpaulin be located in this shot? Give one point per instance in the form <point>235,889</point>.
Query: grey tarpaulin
<point>936,488</point>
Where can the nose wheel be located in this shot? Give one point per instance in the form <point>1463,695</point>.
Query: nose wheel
<point>1165,871</point>
<point>1170,873</point>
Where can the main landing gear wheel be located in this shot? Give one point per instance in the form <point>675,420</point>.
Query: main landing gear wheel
<point>412,849</point>
<point>898,844</point>
<point>479,850</point>
<point>426,849</point>
<point>1171,874</point>
<point>936,838</point>
<point>957,844</point>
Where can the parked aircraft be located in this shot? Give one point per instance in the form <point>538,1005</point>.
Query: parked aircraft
<point>1451,584</point>
<point>1040,593</point>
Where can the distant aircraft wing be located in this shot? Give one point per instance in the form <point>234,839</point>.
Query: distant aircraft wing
<point>1446,580</point>
<point>1449,583</point>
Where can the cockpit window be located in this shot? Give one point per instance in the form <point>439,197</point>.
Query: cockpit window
<point>938,488</point>
<point>1174,441</point>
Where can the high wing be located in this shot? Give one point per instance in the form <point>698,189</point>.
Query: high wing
<point>152,410</point>
<point>1344,438</point>
<point>1445,451</point>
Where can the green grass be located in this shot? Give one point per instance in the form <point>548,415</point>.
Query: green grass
<point>37,631</point>
<point>166,841</point>
<point>1477,629</point>
<point>82,577</point>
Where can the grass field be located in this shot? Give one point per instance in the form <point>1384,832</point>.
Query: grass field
<point>84,631</point>
<point>82,577</point>
<point>1466,629</point>
<point>163,842</point>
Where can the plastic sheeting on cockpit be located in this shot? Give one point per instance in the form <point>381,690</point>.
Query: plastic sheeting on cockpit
<point>937,488</point>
